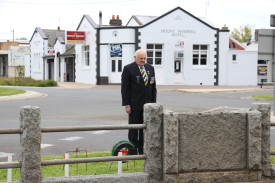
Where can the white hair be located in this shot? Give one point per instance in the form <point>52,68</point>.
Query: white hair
<point>137,52</point>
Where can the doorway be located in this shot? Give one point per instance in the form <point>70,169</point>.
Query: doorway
<point>70,69</point>
<point>50,69</point>
<point>116,69</point>
<point>4,65</point>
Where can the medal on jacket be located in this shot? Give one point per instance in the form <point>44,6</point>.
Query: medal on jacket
<point>152,80</point>
<point>138,77</point>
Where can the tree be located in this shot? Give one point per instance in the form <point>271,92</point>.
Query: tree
<point>241,33</point>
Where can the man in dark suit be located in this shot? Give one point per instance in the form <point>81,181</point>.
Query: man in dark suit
<point>138,86</point>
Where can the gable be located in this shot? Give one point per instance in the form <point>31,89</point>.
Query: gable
<point>89,20</point>
<point>180,18</point>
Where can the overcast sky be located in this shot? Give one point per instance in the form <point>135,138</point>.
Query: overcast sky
<point>24,16</point>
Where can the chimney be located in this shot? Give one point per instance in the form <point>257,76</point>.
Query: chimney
<point>100,19</point>
<point>248,40</point>
<point>224,27</point>
<point>115,22</point>
<point>256,36</point>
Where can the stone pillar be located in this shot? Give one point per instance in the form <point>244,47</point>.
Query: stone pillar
<point>264,108</point>
<point>153,141</point>
<point>254,132</point>
<point>171,134</point>
<point>30,142</point>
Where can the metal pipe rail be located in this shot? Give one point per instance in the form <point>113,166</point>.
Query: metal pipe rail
<point>90,160</point>
<point>76,128</point>
<point>92,128</point>
<point>11,131</point>
<point>10,165</point>
<point>77,160</point>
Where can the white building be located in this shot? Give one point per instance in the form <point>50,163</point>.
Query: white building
<point>184,50</point>
<point>45,63</point>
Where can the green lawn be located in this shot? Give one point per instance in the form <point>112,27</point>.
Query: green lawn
<point>10,91</point>
<point>96,168</point>
<point>267,97</point>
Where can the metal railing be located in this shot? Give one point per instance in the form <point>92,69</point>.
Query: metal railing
<point>71,129</point>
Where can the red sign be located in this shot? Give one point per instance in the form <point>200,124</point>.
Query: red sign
<point>75,36</point>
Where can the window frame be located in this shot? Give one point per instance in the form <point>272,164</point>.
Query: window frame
<point>200,54</point>
<point>153,59</point>
<point>234,57</point>
<point>86,54</point>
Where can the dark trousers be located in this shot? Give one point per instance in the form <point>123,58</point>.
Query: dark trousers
<point>136,136</point>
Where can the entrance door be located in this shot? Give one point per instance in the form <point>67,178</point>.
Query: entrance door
<point>4,65</point>
<point>70,69</point>
<point>116,69</point>
<point>51,69</point>
<point>178,71</point>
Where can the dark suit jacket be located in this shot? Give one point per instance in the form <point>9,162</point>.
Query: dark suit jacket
<point>133,90</point>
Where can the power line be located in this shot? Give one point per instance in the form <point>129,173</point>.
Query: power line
<point>65,3</point>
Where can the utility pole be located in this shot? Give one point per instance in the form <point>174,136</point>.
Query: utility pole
<point>272,24</point>
<point>12,35</point>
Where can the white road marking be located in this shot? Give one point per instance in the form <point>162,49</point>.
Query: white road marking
<point>72,138</point>
<point>100,132</point>
<point>46,145</point>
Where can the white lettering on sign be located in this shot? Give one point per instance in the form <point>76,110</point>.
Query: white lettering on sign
<point>178,33</point>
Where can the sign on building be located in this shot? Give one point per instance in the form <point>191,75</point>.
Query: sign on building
<point>116,50</point>
<point>75,37</point>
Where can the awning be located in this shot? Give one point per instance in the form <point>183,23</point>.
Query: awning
<point>48,56</point>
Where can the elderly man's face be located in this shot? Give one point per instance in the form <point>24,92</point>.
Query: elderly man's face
<point>140,58</point>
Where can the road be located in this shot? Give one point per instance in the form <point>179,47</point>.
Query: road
<point>101,106</point>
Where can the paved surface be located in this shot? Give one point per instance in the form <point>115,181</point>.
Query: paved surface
<point>183,88</point>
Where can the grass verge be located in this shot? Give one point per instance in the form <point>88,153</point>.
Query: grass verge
<point>26,82</point>
<point>97,168</point>
<point>267,97</point>
<point>10,91</point>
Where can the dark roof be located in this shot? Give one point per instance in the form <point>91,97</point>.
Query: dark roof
<point>49,34</point>
<point>52,35</point>
<point>70,51</point>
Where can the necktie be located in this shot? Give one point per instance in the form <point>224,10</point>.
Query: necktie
<point>144,76</point>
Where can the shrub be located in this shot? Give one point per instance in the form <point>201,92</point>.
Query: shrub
<point>26,82</point>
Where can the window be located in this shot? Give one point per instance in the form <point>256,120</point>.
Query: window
<point>177,65</point>
<point>200,54</point>
<point>262,62</point>
<point>117,63</point>
<point>113,65</point>
<point>154,54</point>
<point>87,55</point>
<point>234,57</point>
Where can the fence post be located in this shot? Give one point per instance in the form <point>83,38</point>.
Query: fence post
<point>9,179</point>
<point>67,156</point>
<point>30,144</point>
<point>153,141</point>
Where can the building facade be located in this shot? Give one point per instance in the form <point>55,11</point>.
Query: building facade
<point>183,49</point>
<point>12,54</point>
